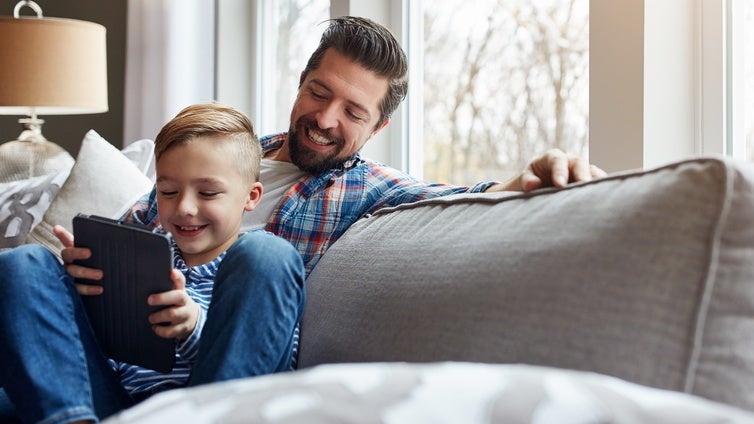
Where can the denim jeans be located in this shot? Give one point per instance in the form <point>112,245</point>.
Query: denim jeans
<point>52,368</point>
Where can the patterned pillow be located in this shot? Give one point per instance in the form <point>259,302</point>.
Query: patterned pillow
<point>449,392</point>
<point>23,203</point>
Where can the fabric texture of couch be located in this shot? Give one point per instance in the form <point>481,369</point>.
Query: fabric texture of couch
<point>643,278</point>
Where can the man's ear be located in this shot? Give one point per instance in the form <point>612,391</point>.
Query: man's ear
<point>255,196</point>
<point>379,128</point>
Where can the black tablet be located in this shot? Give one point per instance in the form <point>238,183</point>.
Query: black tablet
<point>135,262</point>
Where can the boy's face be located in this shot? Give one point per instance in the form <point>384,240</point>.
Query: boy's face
<point>335,113</point>
<point>201,198</point>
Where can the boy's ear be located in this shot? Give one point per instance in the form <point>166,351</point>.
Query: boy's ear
<point>255,196</point>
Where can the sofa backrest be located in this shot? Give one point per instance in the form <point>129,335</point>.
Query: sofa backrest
<point>647,276</point>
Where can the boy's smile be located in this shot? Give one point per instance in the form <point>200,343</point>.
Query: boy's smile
<point>201,198</point>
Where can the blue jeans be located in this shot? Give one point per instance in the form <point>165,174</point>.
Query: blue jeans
<point>51,366</point>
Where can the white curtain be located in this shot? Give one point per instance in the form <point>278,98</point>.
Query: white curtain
<point>170,62</point>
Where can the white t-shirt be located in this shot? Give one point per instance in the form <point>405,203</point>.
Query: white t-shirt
<point>276,178</point>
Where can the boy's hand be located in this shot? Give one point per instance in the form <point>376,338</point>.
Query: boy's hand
<point>178,319</point>
<point>70,254</point>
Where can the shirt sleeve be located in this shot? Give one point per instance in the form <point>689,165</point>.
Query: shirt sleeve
<point>144,211</point>
<point>189,348</point>
<point>390,187</point>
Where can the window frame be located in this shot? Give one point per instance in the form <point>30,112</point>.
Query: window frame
<point>735,77</point>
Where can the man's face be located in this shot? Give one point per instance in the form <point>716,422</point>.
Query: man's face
<point>336,112</point>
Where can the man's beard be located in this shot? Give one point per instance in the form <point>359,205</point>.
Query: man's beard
<point>309,160</point>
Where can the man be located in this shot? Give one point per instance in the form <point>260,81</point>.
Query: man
<point>316,183</point>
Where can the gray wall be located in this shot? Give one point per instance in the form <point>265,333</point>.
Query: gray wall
<point>68,130</point>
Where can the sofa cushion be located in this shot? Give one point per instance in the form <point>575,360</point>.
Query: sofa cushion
<point>645,275</point>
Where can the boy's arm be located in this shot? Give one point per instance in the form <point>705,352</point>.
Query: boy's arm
<point>182,318</point>
<point>189,347</point>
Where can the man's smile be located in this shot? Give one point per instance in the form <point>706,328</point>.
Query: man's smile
<point>318,138</point>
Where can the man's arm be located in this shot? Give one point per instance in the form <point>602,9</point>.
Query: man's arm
<point>144,211</point>
<point>554,168</point>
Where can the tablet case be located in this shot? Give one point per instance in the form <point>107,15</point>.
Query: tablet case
<point>136,262</point>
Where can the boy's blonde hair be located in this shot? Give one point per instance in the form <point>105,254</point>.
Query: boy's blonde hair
<point>226,124</point>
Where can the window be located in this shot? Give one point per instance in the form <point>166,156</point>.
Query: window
<point>659,89</point>
<point>262,47</point>
<point>503,82</point>
<point>738,77</point>
<point>748,76</point>
<point>534,55</point>
<point>291,31</point>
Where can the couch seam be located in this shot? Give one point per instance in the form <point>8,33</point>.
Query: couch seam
<point>709,283</point>
<point>497,197</point>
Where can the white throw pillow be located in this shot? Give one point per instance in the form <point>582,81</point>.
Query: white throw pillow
<point>103,181</point>
<point>141,154</point>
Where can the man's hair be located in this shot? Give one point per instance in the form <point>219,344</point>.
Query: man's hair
<point>372,46</point>
<point>225,124</point>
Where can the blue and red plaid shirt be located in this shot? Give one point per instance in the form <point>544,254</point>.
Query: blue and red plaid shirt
<point>318,209</point>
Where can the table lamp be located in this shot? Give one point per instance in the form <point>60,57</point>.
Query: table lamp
<point>49,66</point>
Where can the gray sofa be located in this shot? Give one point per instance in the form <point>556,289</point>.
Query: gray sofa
<point>646,276</point>
<point>634,294</point>
<point>629,299</point>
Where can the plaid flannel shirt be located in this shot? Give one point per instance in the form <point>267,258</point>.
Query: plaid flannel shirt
<point>320,208</point>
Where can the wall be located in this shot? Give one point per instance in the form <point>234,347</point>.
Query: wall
<point>656,75</point>
<point>68,130</point>
<point>616,84</point>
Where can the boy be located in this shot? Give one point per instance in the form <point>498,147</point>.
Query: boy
<point>207,163</point>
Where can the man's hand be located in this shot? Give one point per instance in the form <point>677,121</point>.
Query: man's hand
<point>179,318</point>
<point>554,168</point>
<point>70,254</point>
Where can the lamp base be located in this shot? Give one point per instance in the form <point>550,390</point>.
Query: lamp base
<point>32,155</point>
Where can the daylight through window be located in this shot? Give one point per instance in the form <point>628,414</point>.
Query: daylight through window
<point>504,81</point>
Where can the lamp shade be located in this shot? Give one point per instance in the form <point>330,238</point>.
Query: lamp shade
<point>55,66</point>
